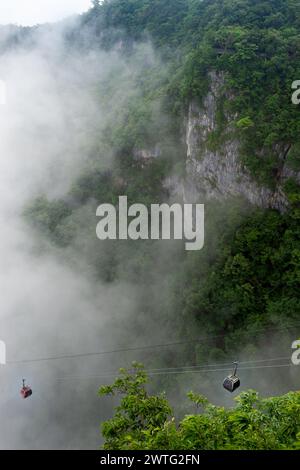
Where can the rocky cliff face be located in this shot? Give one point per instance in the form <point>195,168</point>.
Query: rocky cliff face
<point>218,172</point>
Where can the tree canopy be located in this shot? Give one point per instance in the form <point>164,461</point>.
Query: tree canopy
<point>145,422</point>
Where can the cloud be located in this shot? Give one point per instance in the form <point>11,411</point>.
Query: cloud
<point>51,302</point>
<point>47,307</point>
<point>32,12</point>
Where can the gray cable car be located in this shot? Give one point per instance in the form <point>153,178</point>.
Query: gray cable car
<point>232,382</point>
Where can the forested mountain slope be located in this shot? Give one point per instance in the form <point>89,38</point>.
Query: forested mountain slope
<point>197,106</point>
<point>167,142</point>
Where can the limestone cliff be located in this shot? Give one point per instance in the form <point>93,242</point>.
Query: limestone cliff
<point>218,172</point>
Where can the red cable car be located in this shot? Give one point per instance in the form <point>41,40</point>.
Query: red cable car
<point>25,391</point>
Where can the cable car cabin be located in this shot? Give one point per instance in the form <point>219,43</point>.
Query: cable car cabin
<point>232,382</point>
<point>25,391</point>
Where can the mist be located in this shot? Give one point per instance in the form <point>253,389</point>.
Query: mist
<point>30,12</point>
<point>52,130</point>
<point>53,304</point>
<point>50,306</point>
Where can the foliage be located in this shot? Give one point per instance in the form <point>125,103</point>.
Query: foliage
<point>254,43</point>
<point>252,281</point>
<point>49,217</point>
<point>144,421</point>
<point>138,411</point>
<point>247,276</point>
<point>245,123</point>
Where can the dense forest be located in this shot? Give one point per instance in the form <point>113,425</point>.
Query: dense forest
<point>245,282</point>
<point>249,275</point>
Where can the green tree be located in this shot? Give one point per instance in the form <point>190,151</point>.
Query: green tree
<point>96,3</point>
<point>144,421</point>
<point>137,412</point>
